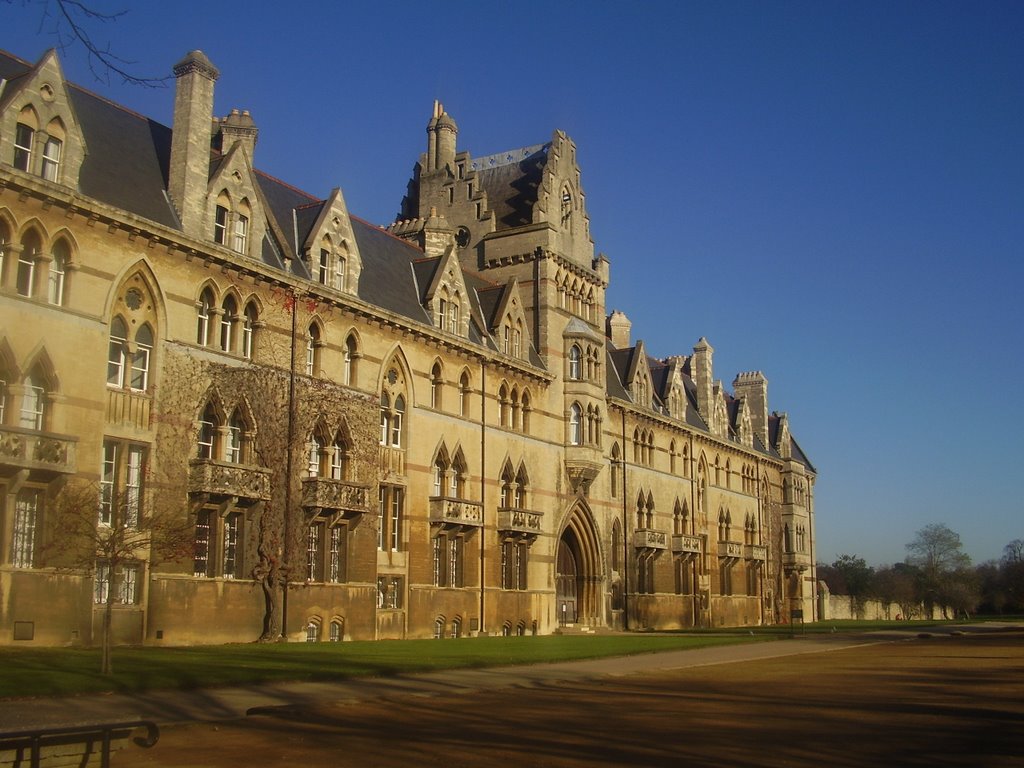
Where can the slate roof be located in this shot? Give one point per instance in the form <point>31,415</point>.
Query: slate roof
<point>511,187</point>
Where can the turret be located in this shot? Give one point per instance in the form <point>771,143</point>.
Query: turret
<point>442,133</point>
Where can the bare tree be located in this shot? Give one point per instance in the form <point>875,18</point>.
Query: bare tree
<point>72,23</point>
<point>1014,551</point>
<point>113,539</point>
<point>938,554</point>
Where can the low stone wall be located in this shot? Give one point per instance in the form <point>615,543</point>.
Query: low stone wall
<point>840,607</point>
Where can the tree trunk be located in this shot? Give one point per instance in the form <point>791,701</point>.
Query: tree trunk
<point>106,663</point>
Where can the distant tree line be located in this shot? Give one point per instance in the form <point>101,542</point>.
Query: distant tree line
<point>936,572</point>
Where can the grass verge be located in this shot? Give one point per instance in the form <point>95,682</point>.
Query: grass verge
<point>64,671</point>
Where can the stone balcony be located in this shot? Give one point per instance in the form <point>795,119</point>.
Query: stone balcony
<point>683,544</point>
<point>519,520</point>
<point>322,493</point>
<point>223,479</point>
<point>730,549</point>
<point>451,511</point>
<point>755,552</point>
<point>43,455</point>
<point>650,538</point>
<point>796,561</point>
<point>391,460</point>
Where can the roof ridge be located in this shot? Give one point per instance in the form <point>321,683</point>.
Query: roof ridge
<point>292,187</point>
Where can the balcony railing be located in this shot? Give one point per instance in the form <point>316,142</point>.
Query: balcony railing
<point>221,478</point>
<point>519,520</point>
<point>130,408</point>
<point>683,543</point>
<point>756,552</point>
<point>326,493</point>
<point>42,453</point>
<point>392,460</point>
<point>730,549</point>
<point>649,538</point>
<point>456,511</point>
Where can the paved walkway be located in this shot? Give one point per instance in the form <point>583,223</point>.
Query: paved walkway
<point>168,706</point>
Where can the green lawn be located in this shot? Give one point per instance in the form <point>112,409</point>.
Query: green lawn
<point>58,671</point>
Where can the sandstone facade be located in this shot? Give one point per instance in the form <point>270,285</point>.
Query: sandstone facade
<point>435,428</point>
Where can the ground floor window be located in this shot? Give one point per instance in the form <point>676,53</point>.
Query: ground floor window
<point>326,552</point>
<point>686,576</point>
<point>312,632</point>
<point>337,631</point>
<point>645,574</point>
<point>390,590</point>
<point>218,545</point>
<point>449,559</point>
<point>27,511</point>
<point>125,578</point>
<point>725,577</point>
<point>390,515</point>
<point>514,559</point>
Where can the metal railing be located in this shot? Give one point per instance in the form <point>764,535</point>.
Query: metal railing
<point>28,745</point>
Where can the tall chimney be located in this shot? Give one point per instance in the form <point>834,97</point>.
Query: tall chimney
<point>753,387</point>
<point>700,368</point>
<point>618,329</point>
<point>190,142</point>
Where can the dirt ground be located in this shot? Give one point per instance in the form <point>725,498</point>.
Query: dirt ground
<point>940,701</point>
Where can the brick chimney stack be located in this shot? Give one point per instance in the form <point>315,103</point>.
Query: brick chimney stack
<point>190,142</point>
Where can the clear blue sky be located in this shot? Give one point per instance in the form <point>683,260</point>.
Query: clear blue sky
<point>832,193</point>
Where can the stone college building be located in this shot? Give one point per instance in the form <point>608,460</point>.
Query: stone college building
<point>230,408</point>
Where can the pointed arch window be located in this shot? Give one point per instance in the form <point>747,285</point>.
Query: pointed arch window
<point>575,363</point>
<point>351,354</point>
<point>51,158</point>
<point>30,248</point>
<point>240,238</point>
<point>204,314</point>
<point>58,271</point>
<point>316,456</point>
<point>237,439</point>
<point>340,458</point>
<point>464,390</point>
<point>24,135</point>
<point>33,402</point>
<point>141,358</point>
<point>228,319</point>
<point>396,422</point>
<point>436,386</point>
<point>249,320</point>
<point>575,424</point>
<point>117,351</point>
<point>313,350</point>
<point>392,408</point>
<point>209,426</point>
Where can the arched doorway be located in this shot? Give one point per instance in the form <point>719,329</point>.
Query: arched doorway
<point>579,574</point>
<point>567,588</point>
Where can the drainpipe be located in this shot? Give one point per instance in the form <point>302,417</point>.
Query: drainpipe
<point>289,459</point>
<point>483,483</point>
<point>625,531</point>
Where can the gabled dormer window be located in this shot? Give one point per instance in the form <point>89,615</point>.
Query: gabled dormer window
<point>231,223</point>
